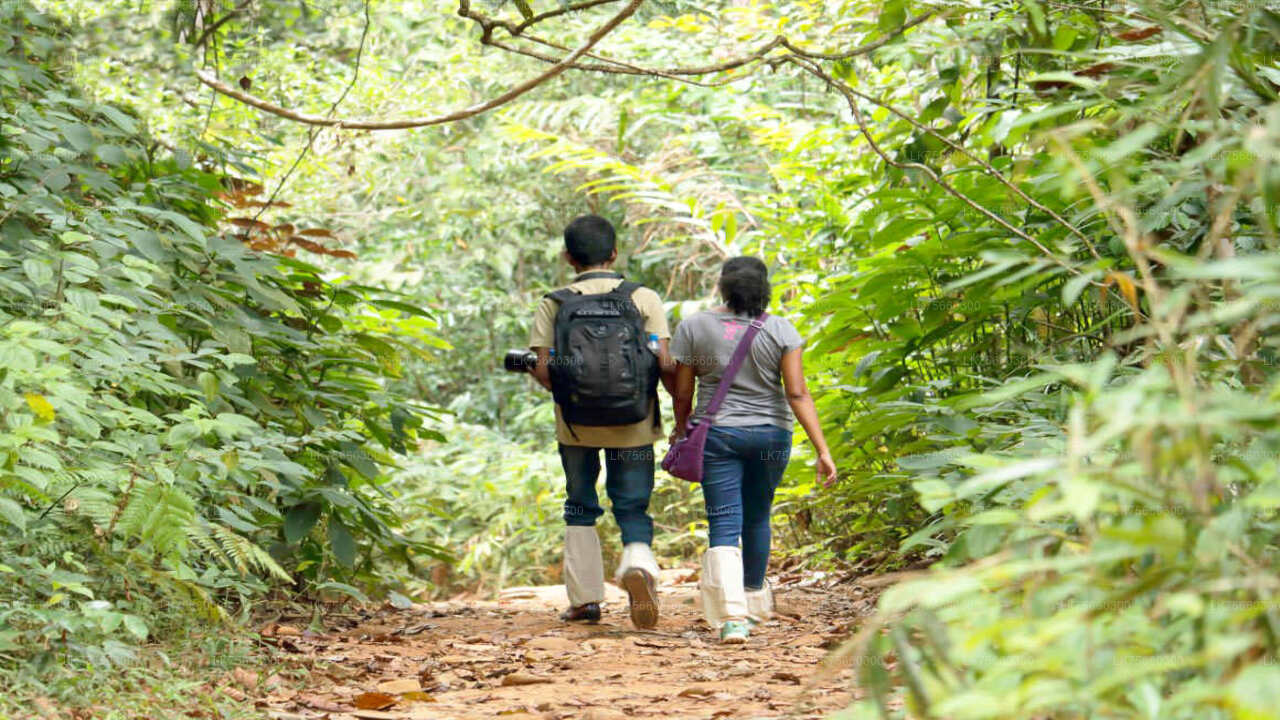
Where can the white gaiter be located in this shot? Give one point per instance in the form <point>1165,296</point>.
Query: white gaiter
<point>637,555</point>
<point>760,603</point>
<point>583,566</point>
<point>723,597</point>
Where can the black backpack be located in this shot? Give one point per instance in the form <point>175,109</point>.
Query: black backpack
<point>603,372</point>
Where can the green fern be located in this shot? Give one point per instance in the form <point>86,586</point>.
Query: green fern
<point>236,552</point>
<point>159,515</point>
<point>204,540</point>
<point>49,542</point>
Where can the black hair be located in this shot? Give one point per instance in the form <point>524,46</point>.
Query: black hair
<point>744,285</point>
<point>590,240</point>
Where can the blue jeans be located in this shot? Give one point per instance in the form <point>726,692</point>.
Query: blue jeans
<point>628,480</point>
<point>741,469</point>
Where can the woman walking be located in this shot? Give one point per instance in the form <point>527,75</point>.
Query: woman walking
<point>749,444</point>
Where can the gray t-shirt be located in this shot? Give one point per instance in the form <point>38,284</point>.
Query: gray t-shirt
<point>705,342</point>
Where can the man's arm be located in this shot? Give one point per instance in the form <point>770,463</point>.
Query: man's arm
<point>541,372</point>
<point>541,338</point>
<point>655,323</point>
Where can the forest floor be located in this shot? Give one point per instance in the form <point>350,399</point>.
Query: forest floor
<point>513,658</point>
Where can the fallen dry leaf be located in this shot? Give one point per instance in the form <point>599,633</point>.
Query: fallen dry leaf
<point>373,701</point>
<point>403,685</point>
<point>246,679</point>
<point>319,703</point>
<point>465,659</point>
<point>696,692</point>
<point>377,715</point>
<point>809,640</point>
<point>282,696</point>
<point>485,648</point>
<point>785,676</point>
<point>553,644</point>
<point>520,678</point>
<point>646,643</point>
<point>1140,33</point>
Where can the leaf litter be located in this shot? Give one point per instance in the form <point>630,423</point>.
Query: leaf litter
<point>513,658</point>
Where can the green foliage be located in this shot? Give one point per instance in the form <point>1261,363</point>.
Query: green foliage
<point>170,397</point>
<point>1039,313</point>
<point>1074,420</point>
<point>177,680</point>
<point>1031,247</point>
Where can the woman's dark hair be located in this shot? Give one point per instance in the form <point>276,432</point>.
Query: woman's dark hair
<point>590,240</point>
<point>744,285</point>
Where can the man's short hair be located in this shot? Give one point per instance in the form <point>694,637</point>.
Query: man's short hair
<point>590,240</point>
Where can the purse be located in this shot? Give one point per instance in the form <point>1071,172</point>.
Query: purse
<point>684,458</point>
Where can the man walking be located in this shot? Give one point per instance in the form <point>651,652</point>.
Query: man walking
<point>601,343</point>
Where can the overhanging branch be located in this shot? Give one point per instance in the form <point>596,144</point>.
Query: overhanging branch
<point>557,12</point>
<point>609,65</point>
<point>462,114</point>
<point>213,28</point>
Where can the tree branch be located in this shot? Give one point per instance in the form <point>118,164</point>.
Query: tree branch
<point>850,97</point>
<point>554,13</point>
<point>462,114</point>
<point>860,50</point>
<point>488,24</point>
<point>204,35</point>
<point>607,65</point>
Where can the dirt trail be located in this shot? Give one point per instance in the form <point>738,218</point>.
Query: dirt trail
<point>513,658</point>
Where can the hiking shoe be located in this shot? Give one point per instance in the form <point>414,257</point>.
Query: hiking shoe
<point>734,632</point>
<point>588,613</point>
<point>643,596</point>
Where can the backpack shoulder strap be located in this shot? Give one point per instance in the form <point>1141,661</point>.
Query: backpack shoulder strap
<point>562,295</point>
<point>626,288</point>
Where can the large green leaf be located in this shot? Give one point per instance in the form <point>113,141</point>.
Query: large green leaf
<point>299,519</point>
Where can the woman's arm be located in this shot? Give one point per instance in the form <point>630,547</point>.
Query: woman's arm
<point>682,399</point>
<point>802,405</point>
<point>667,367</point>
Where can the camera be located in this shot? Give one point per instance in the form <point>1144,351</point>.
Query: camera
<point>519,361</point>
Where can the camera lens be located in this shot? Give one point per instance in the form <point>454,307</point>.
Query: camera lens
<point>519,361</point>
